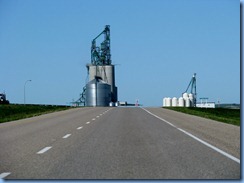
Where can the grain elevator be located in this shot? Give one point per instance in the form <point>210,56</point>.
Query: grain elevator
<point>100,89</point>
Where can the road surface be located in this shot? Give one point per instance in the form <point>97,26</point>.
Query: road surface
<point>119,143</point>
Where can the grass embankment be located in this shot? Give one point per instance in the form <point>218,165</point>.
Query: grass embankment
<point>14,112</point>
<point>230,116</point>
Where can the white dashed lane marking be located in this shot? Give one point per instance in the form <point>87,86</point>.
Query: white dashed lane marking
<point>66,136</point>
<point>5,174</point>
<point>44,150</point>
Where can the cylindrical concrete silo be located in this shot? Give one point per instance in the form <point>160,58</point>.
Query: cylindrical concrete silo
<point>174,102</point>
<point>187,102</point>
<point>109,71</point>
<point>191,97</point>
<point>168,102</point>
<point>106,72</point>
<point>91,71</point>
<point>164,102</point>
<point>181,102</point>
<point>185,95</point>
<point>110,75</point>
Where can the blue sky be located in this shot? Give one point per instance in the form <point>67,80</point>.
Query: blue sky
<point>156,45</point>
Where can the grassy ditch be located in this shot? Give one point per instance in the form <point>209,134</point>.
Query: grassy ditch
<point>14,111</point>
<point>230,116</point>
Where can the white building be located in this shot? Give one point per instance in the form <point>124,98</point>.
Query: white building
<point>205,104</point>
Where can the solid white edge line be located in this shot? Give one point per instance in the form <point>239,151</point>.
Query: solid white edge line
<point>44,150</point>
<point>4,174</point>
<point>159,118</point>
<point>211,146</point>
<point>66,136</point>
<point>199,140</point>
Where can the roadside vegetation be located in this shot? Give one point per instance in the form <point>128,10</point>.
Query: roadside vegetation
<point>230,116</point>
<point>18,111</point>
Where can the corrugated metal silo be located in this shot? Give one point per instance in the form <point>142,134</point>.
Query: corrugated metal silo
<point>98,93</point>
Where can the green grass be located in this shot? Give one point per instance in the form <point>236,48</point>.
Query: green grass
<point>14,111</point>
<point>230,116</point>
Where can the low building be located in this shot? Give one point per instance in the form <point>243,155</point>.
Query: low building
<point>206,105</point>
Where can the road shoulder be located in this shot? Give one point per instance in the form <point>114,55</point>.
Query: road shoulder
<point>224,136</point>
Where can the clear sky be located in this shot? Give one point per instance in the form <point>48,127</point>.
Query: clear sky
<point>156,46</point>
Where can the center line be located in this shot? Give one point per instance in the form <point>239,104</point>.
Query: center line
<point>44,150</point>
<point>5,174</point>
<point>66,136</point>
<point>79,127</point>
<point>88,122</point>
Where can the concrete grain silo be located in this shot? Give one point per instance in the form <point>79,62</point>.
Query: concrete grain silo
<point>174,102</point>
<point>181,102</point>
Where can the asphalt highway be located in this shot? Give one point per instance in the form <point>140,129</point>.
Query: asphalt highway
<point>119,143</point>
